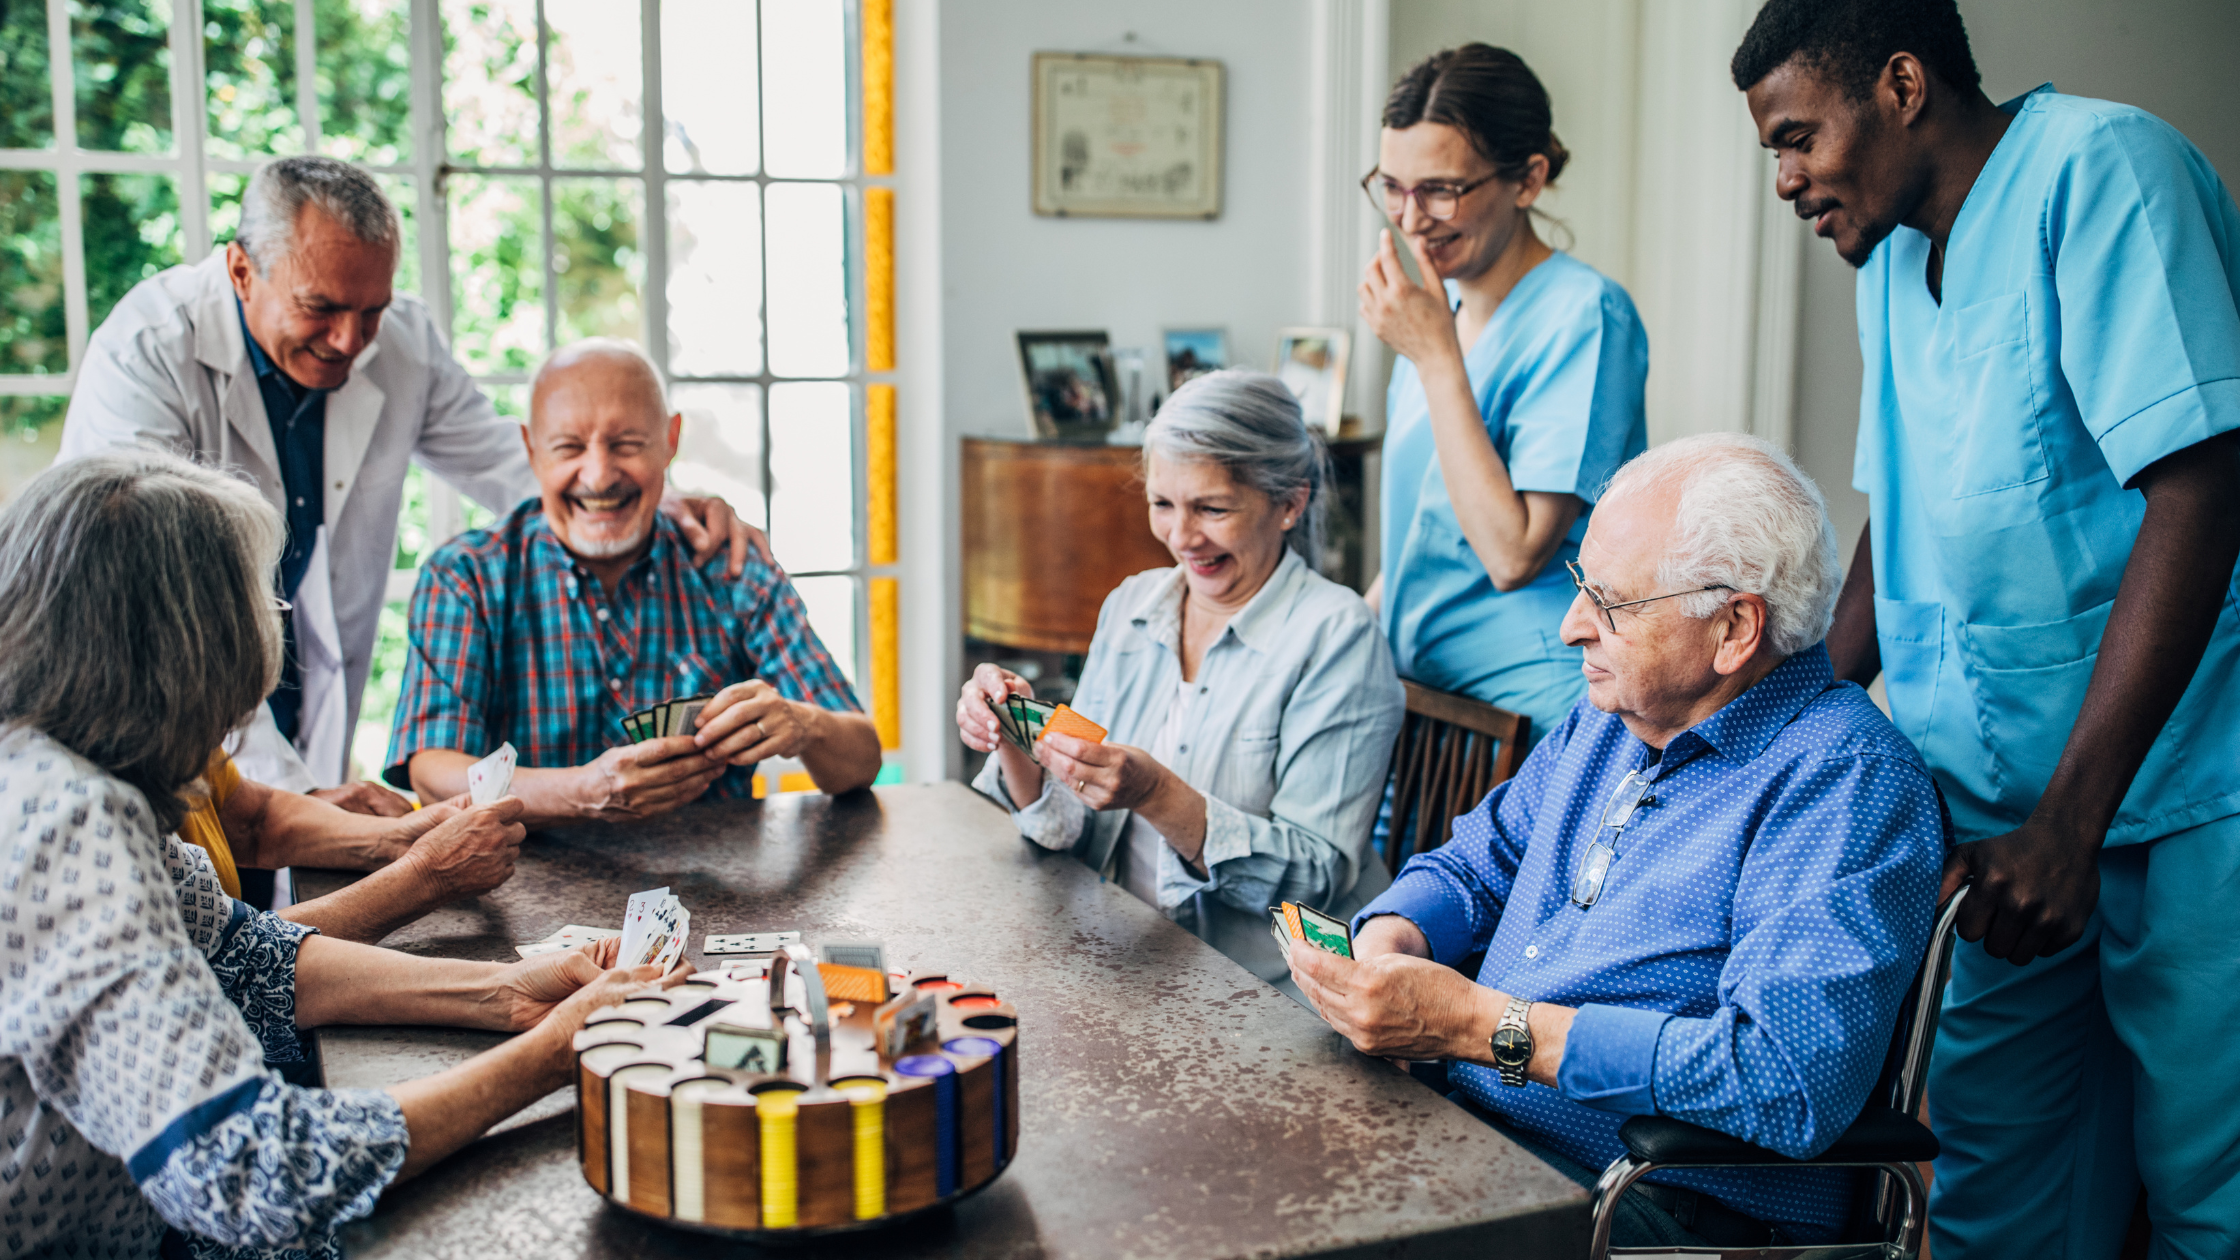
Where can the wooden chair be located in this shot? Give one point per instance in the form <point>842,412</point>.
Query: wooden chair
<point>1452,751</point>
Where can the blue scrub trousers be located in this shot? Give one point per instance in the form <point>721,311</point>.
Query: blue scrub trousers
<point>2058,1088</point>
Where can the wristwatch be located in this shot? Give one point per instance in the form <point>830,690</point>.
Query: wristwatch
<point>1512,1042</point>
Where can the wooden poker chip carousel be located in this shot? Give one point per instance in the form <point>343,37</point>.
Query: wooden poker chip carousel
<point>744,1102</point>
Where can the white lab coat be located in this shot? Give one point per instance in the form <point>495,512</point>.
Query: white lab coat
<point>169,366</point>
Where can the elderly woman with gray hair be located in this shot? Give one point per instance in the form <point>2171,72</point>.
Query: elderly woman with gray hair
<point>1251,702</point>
<point>142,1004</point>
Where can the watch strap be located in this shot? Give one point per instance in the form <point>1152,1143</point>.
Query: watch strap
<point>1517,1017</point>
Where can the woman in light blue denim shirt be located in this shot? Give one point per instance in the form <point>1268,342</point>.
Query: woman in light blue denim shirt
<point>1251,703</point>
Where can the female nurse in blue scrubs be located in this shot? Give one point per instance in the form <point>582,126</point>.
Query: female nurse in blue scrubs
<point>1518,393</point>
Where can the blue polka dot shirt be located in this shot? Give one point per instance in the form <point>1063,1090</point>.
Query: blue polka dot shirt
<point>1743,964</point>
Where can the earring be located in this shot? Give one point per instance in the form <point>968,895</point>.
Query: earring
<point>1287,524</point>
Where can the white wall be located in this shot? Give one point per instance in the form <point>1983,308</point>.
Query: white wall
<point>1005,268</point>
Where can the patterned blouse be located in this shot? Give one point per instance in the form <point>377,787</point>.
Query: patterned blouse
<point>138,1010</point>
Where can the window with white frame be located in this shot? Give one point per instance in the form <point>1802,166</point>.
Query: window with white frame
<point>682,173</point>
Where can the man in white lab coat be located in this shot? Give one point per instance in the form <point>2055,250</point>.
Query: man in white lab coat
<point>289,357</point>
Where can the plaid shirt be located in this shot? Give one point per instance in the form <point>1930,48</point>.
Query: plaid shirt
<point>514,640</point>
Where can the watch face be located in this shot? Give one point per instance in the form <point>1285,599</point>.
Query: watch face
<point>1512,1047</point>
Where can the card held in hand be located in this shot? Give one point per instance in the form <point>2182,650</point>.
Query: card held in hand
<point>492,777</point>
<point>1329,935</point>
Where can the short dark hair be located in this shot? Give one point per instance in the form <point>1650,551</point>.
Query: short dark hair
<point>1488,94</point>
<point>1850,41</point>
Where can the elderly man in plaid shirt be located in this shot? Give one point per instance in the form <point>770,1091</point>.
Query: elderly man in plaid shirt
<point>584,605</point>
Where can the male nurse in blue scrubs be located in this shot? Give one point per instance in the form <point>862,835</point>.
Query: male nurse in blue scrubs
<point>2048,317</point>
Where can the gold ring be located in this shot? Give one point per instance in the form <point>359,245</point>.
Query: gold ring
<point>1079,786</point>
<point>759,733</point>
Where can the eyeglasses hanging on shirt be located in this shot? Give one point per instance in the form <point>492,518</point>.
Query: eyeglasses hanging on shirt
<point>1634,792</point>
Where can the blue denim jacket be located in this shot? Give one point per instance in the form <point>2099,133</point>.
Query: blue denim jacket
<point>1289,737</point>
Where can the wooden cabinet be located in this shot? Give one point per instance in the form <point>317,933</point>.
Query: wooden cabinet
<point>1049,529</point>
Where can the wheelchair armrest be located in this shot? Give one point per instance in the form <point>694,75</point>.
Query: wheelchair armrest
<point>1880,1135</point>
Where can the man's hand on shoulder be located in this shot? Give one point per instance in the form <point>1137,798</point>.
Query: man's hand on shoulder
<point>710,525</point>
<point>364,797</point>
<point>643,779</point>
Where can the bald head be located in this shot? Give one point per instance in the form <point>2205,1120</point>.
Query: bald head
<point>600,440</point>
<point>604,366</point>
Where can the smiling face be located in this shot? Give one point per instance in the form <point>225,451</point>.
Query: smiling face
<point>1488,217</point>
<point>1227,537</point>
<point>600,446</point>
<point>1846,164</point>
<point>320,306</point>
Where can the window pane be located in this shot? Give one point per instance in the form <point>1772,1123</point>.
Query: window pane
<point>30,437</point>
<point>719,451</point>
<point>249,55</point>
<point>406,199</point>
<point>365,79</point>
<point>813,476</point>
<point>26,99</point>
<point>808,280</point>
<point>121,54</point>
<point>490,81</point>
<point>512,402</point>
<point>596,86</point>
<point>805,88</point>
<point>225,205</point>
<point>32,334</point>
<point>596,258</point>
<point>497,273</point>
<point>708,97</point>
<point>831,602</point>
<point>132,232</point>
<point>715,279</point>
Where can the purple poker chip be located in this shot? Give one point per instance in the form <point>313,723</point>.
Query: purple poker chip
<point>985,1047</point>
<point>925,1065</point>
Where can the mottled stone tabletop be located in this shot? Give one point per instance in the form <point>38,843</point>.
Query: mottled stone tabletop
<point>1172,1104</point>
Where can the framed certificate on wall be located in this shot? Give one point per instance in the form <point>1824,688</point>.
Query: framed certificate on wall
<point>1127,137</point>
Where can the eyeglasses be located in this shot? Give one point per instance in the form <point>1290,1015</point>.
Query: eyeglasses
<point>1439,201</point>
<point>281,605</point>
<point>1579,579</point>
<point>1632,793</point>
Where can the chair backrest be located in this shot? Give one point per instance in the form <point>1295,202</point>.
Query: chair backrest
<point>1452,751</point>
<point>1905,1070</point>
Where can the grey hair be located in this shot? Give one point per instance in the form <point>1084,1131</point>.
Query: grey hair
<point>593,347</point>
<point>1249,423</point>
<point>136,603</point>
<point>280,190</point>
<point>1750,520</point>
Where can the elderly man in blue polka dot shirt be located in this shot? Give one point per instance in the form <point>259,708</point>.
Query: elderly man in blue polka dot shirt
<point>1705,894</point>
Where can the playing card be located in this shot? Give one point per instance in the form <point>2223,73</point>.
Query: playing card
<point>680,935</point>
<point>1330,935</point>
<point>573,936</point>
<point>1067,722</point>
<point>749,942</point>
<point>688,714</point>
<point>637,921</point>
<point>492,777</point>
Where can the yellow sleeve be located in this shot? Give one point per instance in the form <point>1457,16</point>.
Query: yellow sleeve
<point>202,828</point>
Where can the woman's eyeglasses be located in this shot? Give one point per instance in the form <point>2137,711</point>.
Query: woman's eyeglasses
<point>1579,579</point>
<point>1438,201</point>
<point>1632,793</point>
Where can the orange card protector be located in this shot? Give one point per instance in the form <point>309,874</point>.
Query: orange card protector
<point>1067,722</point>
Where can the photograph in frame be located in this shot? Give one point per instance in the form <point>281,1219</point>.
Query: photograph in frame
<point>1194,352</point>
<point>1069,383</point>
<point>1312,363</point>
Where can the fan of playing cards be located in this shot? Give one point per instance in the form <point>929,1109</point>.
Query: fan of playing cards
<point>670,717</point>
<point>1025,720</point>
<point>655,929</point>
<point>1294,922</point>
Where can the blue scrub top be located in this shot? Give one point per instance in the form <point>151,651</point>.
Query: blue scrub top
<point>2089,327</point>
<point>1558,373</point>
